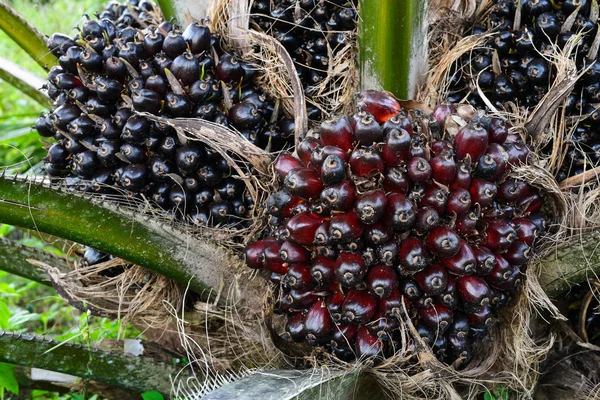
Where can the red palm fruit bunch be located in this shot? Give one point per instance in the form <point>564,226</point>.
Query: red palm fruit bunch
<point>385,217</point>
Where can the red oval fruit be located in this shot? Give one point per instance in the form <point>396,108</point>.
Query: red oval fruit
<point>388,252</point>
<point>343,335</point>
<point>413,255</point>
<point>273,261</point>
<point>441,112</point>
<point>443,242</point>
<point>339,197</point>
<point>333,170</point>
<point>382,326</point>
<point>410,289</point>
<point>498,235</point>
<point>284,164</point>
<point>367,346</point>
<point>464,262</point>
<point>527,231</point>
<point>459,202</point>
<point>318,156</point>
<point>396,181</point>
<point>481,318</point>
<point>501,273</point>
<point>381,281</point>
<point>306,147</point>
<point>394,305</point>
<point>301,228</point>
<point>382,105</point>
<point>483,192</point>
<point>531,203</point>
<point>377,234</point>
<point>396,149</point>
<point>486,260</point>
<point>366,162</point>
<point>255,253</point>
<point>350,269</point>
<point>466,224</point>
<point>299,277</point>
<point>432,280</point>
<point>518,253</point>
<point>512,191</point>
<point>323,270</point>
<point>399,213</point>
<point>473,291</point>
<point>471,140</point>
<point>399,121</point>
<point>437,316</point>
<point>443,168</point>
<point>370,206</point>
<point>295,327</point>
<point>359,307</point>
<point>366,130</point>
<point>435,197</point>
<point>448,296</point>
<point>518,153</point>
<point>317,323</point>
<point>497,153</point>
<point>334,303</point>
<point>297,300</point>
<point>419,170</point>
<point>304,183</point>
<point>498,131</point>
<point>462,180</point>
<point>345,227</point>
<point>293,254</point>
<point>442,147</point>
<point>427,219</point>
<point>338,132</point>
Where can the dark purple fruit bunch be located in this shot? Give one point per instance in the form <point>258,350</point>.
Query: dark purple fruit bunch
<point>313,32</point>
<point>113,68</point>
<point>524,73</point>
<point>381,217</point>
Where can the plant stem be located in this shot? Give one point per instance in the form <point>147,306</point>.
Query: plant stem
<point>26,36</point>
<point>14,256</point>
<point>167,7</point>
<point>25,81</point>
<point>393,45</point>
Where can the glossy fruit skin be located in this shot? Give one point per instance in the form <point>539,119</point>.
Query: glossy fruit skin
<point>318,323</point>
<point>381,281</point>
<point>302,227</point>
<point>381,105</point>
<point>473,291</point>
<point>413,255</point>
<point>345,227</point>
<point>338,132</point>
<point>436,316</point>
<point>432,280</point>
<point>400,213</point>
<point>443,242</point>
<point>370,206</point>
<point>471,141</point>
<point>359,307</point>
<point>350,269</point>
<point>464,262</point>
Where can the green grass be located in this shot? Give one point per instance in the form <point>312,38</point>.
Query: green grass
<point>27,306</point>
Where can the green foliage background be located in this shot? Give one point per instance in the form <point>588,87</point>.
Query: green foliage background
<point>27,306</point>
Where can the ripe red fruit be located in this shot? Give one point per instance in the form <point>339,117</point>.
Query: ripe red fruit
<point>367,346</point>
<point>485,260</point>
<point>441,112</point>
<point>432,280</point>
<point>322,234</point>
<point>531,203</point>
<point>427,219</point>
<point>518,153</point>
<point>471,140</point>
<point>382,326</point>
<point>382,105</point>
<point>448,296</point>
<point>366,162</point>
<point>297,300</point>
<point>399,213</point>
<point>318,156</point>
<point>464,262</point>
<point>399,121</point>
<point>527,231</point>
<point>350,269</point>
<point>459,202</point>
<point>255,253</point>
<point>381,281</point>
<point>323,270</point>
<point>466,225</point>
<point>304,183</point>
<point>388,252</point>
<point>377,234</point>
<point>293,254</point>
<point>410,289</point>
<point>339,197</point>
<point>419,170</point>
<point>473,291</point>
<point>462,180</point>
<point>394,304</point>
<point>295,327</point>
<point>306,147</point>
<point>396,181</point>
<point>435,197</point>
<point>343,335</point>
<point>273,261</point>
<point>482,317</point>
<point>497,153</point>
<point>498,131</point>
<point>334,303</point>
<point>518,253</point>
<point>337,131</point>
<point>437,316</point>
<point>501,273</point>
<point>299,277</point>
<point>284,164</point>
<point>413,255</point>
<point>498,235</point>
<point>443,242</point>
<point>442,147</point>
<point>366,130</point>
<point>359,307</point>
<point>333,170</point>
<point>483,192</point>
<point>370,206</point>
<point>443,168</point>
<point>301,228</point>
<point>345,227</point>
<point>318,324</point>
<point>512,191</point>
<point>396,149</point>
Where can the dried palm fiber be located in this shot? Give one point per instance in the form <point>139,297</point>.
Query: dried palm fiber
<point>333,92</point>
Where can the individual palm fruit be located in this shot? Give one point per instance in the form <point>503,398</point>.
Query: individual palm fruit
<point>515,64</point>
<point>382,242</point>
<point>127,61</point>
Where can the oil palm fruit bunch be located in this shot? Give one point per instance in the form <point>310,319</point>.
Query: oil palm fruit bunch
<point>312,31</point>
<point>385,216</point>
<point>524,72</point>
<point>110,70</point>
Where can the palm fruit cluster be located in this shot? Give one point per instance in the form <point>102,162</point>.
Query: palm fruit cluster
<point>386,216</point>
<point>312,31</point>
<point>113,68</point>
<point>524,72</point>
